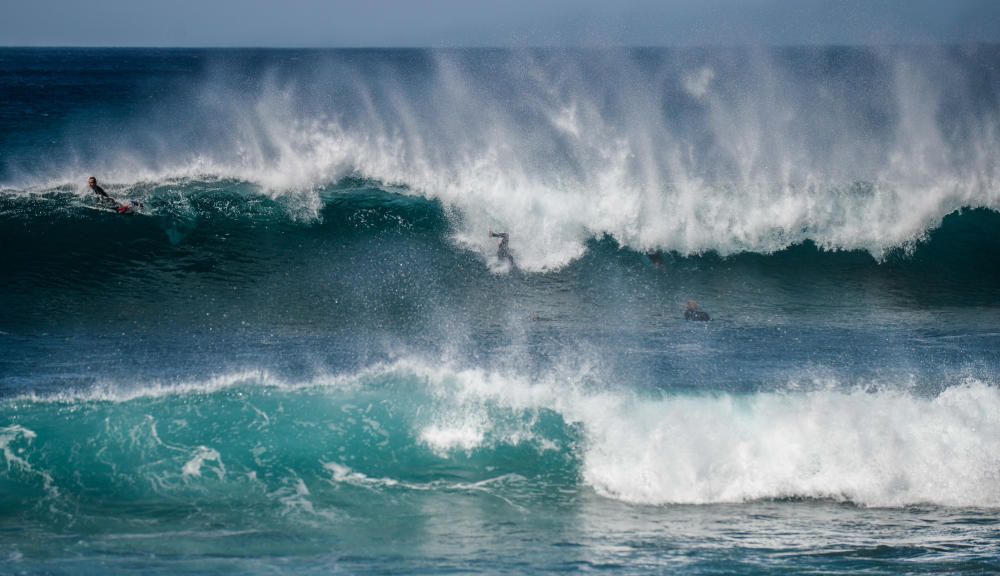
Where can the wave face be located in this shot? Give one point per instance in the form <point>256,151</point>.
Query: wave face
<point>687,151</point>
<point>366,258</point>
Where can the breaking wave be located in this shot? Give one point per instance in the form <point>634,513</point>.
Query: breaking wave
<point>683,151</point>
<point>413,425</point>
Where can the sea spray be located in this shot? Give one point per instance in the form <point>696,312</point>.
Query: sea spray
<point>301,354</point>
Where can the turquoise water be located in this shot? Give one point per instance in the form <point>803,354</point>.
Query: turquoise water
<point>303,355</point>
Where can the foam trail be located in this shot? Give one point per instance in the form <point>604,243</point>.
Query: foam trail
<point>192,468</point>
<point>9,435</point>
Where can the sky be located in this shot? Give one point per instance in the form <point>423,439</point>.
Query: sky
<point>516,23</point>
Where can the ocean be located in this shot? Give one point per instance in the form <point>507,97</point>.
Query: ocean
<point>303,353</point>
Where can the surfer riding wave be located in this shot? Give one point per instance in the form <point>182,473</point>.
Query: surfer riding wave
<point>103,199</point>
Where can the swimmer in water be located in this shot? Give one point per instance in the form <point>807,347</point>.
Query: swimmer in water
<point>692,312</point>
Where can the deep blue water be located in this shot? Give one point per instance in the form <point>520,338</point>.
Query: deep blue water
<point>302,353</point>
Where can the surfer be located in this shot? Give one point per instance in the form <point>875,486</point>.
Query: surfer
<point>102,196</point>
<point>692,312</point>
<point>656,258</point>
<point>503,250</point>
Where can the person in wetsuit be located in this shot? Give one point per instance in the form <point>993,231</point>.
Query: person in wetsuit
<point>104,199</point>
<point>102,196</point>
<point>692,312</point>
<point>503,250</point>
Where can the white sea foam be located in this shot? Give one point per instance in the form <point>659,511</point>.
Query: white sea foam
<point>882,448</point>
<point>15,441</point>
<point>876,449</point>
<point>201,456</point>
<point>11,455</point>
<point>341,474</point>
<point>112,391</point>
<point>573,149</point>
<point>443,438</point>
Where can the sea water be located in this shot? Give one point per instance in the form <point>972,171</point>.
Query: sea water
<point>303,354</point>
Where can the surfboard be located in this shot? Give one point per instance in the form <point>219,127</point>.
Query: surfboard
<point>123,208</point>
<point>129,208</point>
